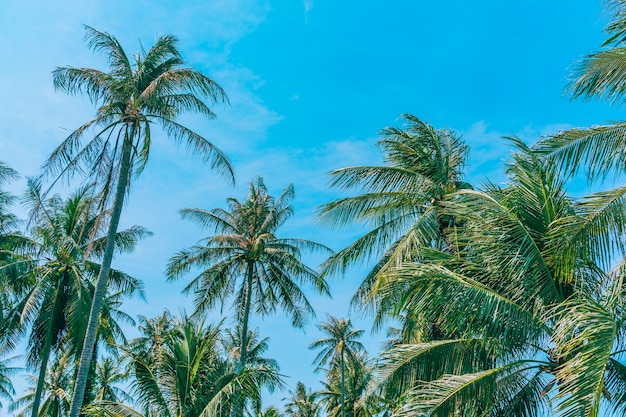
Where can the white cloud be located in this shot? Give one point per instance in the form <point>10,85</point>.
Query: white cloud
<point>308,5</point>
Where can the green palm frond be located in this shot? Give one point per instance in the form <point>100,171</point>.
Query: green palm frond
<point>469,395</point>
<point>598,149</point>
<point>584,334</point>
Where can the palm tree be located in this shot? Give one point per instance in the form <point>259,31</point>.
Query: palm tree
<point>155,88</point>
<point>340,343</point>
<point>66,245</point>
<point>247,259</point>
<point>352,398</point>
<point>533,300</point>
<point>110,372</point>
<point>400,201</point>
<point>265,370</point>
<point>269,412</point>
<point>57,390</point>
<point>193,376</point>
<point>11,245</point>
<point>303,402</point>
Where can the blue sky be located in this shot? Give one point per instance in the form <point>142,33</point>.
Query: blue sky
<point>310,84</point>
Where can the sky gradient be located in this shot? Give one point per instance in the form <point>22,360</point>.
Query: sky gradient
<point>310,85</point>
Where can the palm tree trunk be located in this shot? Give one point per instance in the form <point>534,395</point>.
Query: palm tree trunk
<point>238,403</point>
<point>246,316</point>
<point>42,375</point>
<point>103,278</point>
<point>343,386</point>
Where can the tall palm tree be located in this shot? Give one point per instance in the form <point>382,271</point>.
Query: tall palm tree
<point>340,343</point>
<point>400,201</point>
<point>303,402</point>
<point>534,300</point>
<point>67,243</point>
<point>154,88</point>
<point>248,260</point>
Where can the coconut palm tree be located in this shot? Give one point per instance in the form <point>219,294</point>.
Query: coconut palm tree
<point>67,243</point>
<point>400,201</point>
<point>153,88</point>
<point>352,397</point>
<point>340,343</point>
<point>265,370</point>
<point>193,376</point>
<point>303,402</point>
<point>12,243</point>
<point>109,373</point>
<point>57,390</point>
<point>534,299</point>
<point>246,259</point>
<point>269,412</point>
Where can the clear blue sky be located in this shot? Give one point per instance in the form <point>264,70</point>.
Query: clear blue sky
<point>311,83</point>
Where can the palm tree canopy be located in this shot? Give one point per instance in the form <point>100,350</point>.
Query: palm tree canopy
<point>341,340</point>
<point>598,149</point>
<point>532,299</point>
<point>303,402</point>
<point>153,87</point>
<point>247,236</point>
<point>400,201</point>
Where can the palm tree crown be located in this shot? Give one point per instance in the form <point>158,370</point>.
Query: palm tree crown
<point>401,201</point>
<point>339,344</point>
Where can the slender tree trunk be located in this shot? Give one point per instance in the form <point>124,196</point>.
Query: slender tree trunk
<point>45,357</point>
<point>343,385</point>
<point>243,353</point>
<point>246,316</point>
<point>41,380</point>
<point>103,278</point>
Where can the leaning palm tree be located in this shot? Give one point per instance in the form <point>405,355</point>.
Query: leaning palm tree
<point>401,201</point>
<point>154,88</point>
<point>67,241</point>
<point>340,343</point>
<point>535,301</point>
<point>248,260</point>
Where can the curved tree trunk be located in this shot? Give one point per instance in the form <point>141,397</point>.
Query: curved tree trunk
<point>103,278</point>
<point>238,402</point>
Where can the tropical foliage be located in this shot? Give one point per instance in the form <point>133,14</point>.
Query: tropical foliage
<point>401,201</point>
<point>505,299</point>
